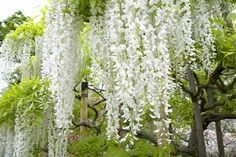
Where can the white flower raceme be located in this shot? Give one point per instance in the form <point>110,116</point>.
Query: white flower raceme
<point>38,55</point>
<point>97,46</point>
<point>132,47</point>
<point>203,34</point>
<point>24,53</point>
<point>3,130</point>
<point>8,61</point>
<point>181,42</point>
<point>215,7</point>
<point>160,83</point>
<point>9,144</point>
<point>14,54</point>
<point>113,23</point>
<point>6,141</point>
<point>23,134</point>
<point>60,66</point>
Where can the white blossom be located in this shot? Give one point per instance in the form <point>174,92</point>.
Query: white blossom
<point>203,35</point>
<point>23,133</point>
<point>60,65</point>
<point>136,64</point>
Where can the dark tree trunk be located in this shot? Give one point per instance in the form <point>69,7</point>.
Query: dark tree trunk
<point>197,116</point>
<point>220,139</point>
<point>192,143</point>
<point>220,143</point>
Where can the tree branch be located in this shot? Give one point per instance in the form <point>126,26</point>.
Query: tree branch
<point>216,104</point>
<point>95,111</point>
<point>231,85</point>
<point>212,106</point>
<point>144,135</point>
<point>86,125</point>
<point>208,118</point>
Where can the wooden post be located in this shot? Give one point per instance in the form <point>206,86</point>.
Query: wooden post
<point>84,108</point>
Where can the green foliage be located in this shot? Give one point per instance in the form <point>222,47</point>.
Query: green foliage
<point>225,43</point>
<point>182,110</point>
<point>229,104</point>
<point>89,147</point>
<point>32,94</point>
<point>201,75</point>
<point>84,6</point>
<point>144,149</point>
<point>11,23</point>
<point>30,65</point>
<point>99,146</point>
<point>86,49</point>
<point>27,30</point>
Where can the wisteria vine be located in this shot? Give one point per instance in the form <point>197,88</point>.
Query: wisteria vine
<point>136,48</point>
<point>60,66</point>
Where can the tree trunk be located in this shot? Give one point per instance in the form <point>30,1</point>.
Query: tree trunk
<point>84,109</point>
<point>197,116</point>
<point>192,143</point>
<point>219,135</point>
<point>220,142</point>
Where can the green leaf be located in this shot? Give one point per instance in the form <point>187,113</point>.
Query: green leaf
<point>20,102</point>
<point>92,3</point>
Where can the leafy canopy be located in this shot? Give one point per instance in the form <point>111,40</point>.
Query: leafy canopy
<point>30,93</point>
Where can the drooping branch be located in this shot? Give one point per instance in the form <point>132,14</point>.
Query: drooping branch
<point>148,136</point>
<point>99,102</point>
<point>97,91</point>
<point>96,113</point>
<point>75,87</point>
<point>144,135</point>
<point>84,124</point>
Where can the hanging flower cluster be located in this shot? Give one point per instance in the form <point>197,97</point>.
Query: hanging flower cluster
<point>215,7</point>
<point>25,52</point>
<point>7,140</point>
<point>60,64</point>
<point>181,42</point>
<point>23,133</point>
<point>8,60</point>
<point>38,55</point>
<point>15,55</point>
<point>131,55</point>
<point>134,45</point>
<point>102,64</point>
<point>203,34</point>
